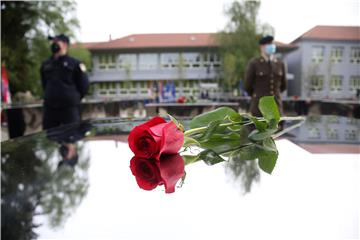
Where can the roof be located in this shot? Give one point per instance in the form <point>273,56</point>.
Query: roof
<point>347,33</point>
<point>163,40</point>
<point>84,44</point>
<point>158,41</point>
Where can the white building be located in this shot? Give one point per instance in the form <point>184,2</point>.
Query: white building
<point>326,64</point>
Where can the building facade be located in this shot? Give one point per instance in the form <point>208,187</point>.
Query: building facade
<point>159,67</point>
<point>155,66</point>
<point>326,64</point>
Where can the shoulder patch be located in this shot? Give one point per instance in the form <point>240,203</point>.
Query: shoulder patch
<point>82,67</point>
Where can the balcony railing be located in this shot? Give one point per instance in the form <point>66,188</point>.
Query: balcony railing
<point>153,74</point>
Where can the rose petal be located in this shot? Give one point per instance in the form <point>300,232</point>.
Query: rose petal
<point>171,170</point>
<point>136,142</point>
<point>146,173</point>
<point>172,139</point>
<point>154,121</point>
<point>157,130</point>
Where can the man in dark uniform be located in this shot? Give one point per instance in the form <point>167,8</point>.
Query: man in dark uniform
<point>65,83</point>
<point>265,76</point>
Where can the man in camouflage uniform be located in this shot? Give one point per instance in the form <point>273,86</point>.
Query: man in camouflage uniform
<point>265,76</point>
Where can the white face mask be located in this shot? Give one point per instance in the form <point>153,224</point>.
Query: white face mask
<point>270,49</point>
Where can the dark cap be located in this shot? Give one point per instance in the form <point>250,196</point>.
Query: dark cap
<point>61,37</point>
<point>266,40</point>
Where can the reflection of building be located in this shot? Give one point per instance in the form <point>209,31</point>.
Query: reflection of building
<point>329,129</point>
<point>157,66</point>
<point>326,63</point>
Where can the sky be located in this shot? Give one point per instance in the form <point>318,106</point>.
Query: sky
<point>290,18</point>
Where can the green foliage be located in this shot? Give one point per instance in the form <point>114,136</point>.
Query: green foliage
<point>268,108</point>
<point>208,117</point>
<point>188,141</point>
<point>210,157</point>
<point>224,134</point>
<point>83,54</point>
<point>239,41</point>
<point>25,26</point>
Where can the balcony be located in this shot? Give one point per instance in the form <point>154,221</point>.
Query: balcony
<point>153,74</point>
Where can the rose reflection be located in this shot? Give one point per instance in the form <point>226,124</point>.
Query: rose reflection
<point>150,173</point>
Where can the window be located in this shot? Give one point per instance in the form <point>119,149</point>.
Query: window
<point>191,59</point>
<point>333,119</point>
<point>355,55</point>
<point>332,133</point>
<point>316,82</point>
<point>191,84</point>
<point>354,83</point>
<point>127,61</point>
<point>314,133</point>
<point>336,82</point>
<point>318,54</point>
<point>197,60</point>
<point>211,57</point>
<point>142,84</point>
<point>148,61</point>
<point>107,61</point>
<point>168,60</point>
<point>314,119</point>
<point>350,134</point>
<point>217,60</point>
<point>127,85</point>
<point>336,54</point>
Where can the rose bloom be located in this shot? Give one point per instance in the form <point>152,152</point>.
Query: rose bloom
<point>155,137</point>
<point>150,173</point>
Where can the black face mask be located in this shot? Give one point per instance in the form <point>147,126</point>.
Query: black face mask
<point>55,48</point>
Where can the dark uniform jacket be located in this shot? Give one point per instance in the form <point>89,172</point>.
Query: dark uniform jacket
<point>64,82</point>
<point>264,78</point>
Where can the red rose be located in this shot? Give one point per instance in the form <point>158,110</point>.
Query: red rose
<point>150,173</point>
<point>155,137</point>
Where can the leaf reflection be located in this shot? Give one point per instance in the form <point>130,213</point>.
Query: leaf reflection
<point>244,173</point>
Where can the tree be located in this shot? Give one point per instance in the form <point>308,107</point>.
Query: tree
<point>81,53</point>
<point>239,41</point>
<point>24,45</point>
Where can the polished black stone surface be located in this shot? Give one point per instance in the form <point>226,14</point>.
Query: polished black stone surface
<point>74,182</point>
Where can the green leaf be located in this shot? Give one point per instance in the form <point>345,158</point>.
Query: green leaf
<point>208,117</point>
<point>269,108</point>
<point>256,135</point>
<point>235,118</point>
<point>236,128</point>
<point>224,142</point>
<point>267,160</point>
<point>269,145</point>
<point>211,128</point>
<point>210,157</point>
<point>188,141</point>
<point>267,154</point>
<point>273,124</point>
<point>177,123</point>
<point>190,158</point>
<point>182,181</point>
<point>260,125</point>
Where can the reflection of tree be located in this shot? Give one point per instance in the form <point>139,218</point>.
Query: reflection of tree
<point>243,172</point>
<point>31,184</point>
<point>64,191</point>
